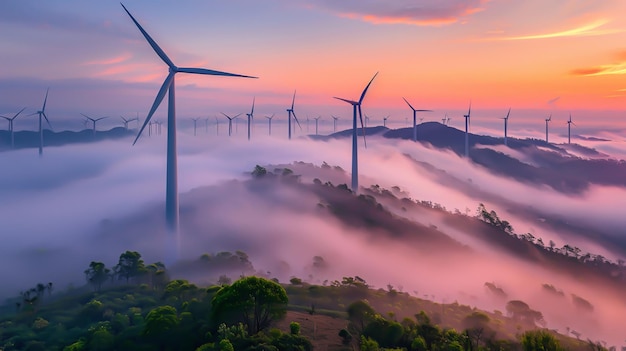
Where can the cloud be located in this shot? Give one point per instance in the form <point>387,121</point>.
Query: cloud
<point>411,12</point>
<point>112,60</point>
<point>553,101</point>
<point>610,69</point>
<point>590,29</point>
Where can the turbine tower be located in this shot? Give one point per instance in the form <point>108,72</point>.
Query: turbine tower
<point>206,125</point>
<point>11,119</point>
<point>335,123</point>
<point>230,122</point>
<point>385,120</point>
<point>291,112</point>
<point>415,111</point>
<point>269,122</point>
<point>506,124</point>
<point>467,124</point>
<point>217,126</point>
<point>250,117</point>
<point>195,125</point>
<point>42,113</point>
<point>569,129</point>
<point>93,121</point>
<point>548,121</point>
<point>171,196</point>
<point>356,106</point>
<point>317,119</point>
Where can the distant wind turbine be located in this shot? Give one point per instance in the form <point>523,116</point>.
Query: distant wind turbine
<point>548,121</point>
<point>356,107</point>
<point>335,123</point>
<point>317,119</point>
<point>291,112</point>
<point>367,120</point>
<point>42,113</point>
<point>506,124</point>
<point>569,129</point>
<point>93,121</point>
<point>206,125</point>
<point>250,117</point>
<point>11,119</point>
<point>269,122</point>
<point>415,111</point>
<point>195,125</point>
<point>385,121</point>
<point>467,124</point>
<point>230,122</point>
<point>126,121</point>
<point>171,197</point>
<point>443,120</point>
<point>217,126</point>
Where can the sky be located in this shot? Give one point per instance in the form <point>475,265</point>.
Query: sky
<point>536,57</point>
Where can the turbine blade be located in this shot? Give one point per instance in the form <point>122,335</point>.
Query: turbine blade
<point>17,114</point>
<point>237,116</point>
<point>225,115</point>
<point>423,110</point>
<point>45,100</point>
<point>252,111</point>
<point>507,114</point>
<point>46,117</point>
<point>296,118</point>
<point>293,101</point>
<point>367,87</point>
<point>152,43</point>
<point>405,100</point>
<point>346,100</point>
<point>157,102</point>
<point>362,126</point>
<point>97,119</point>
<point>211,72</point>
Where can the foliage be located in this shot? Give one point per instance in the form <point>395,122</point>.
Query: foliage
<point>130,265</point>
<point>539,340</point>
<point>253,301</point>
<point>97,274</point>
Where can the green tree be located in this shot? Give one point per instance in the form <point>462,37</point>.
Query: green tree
<point>253,301</point>
<point>540,340</point>
<point>521,312</point>
<point>368,344</point>
<point>360,314</point>
<point>259,172</point>
<point>130,265</point>
<point>97,274</point>
<point>160,324</point>
<point>476,327</point>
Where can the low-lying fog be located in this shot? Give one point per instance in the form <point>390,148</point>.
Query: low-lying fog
<point>53,210</point>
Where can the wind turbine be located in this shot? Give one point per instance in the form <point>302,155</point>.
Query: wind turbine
<point>206,125</point>
<point>42,113</point>
<point>415,111</point>
<point>291,112</point>
<point>385,121</point>
<point>93,121</point>
<point>126,121</point>
<point>569,129</point>
<point>443,120</point>
<point>506,123</point>
<point>217,126</point>
<point>317,119</point>
<point>269,122</point>
<point>467,123</point>
<point>356,106</point>
<point>230,122</point>
<point>11,119</point>
<point>335,123</point>
<point>171,197</point>
<point>195,125</point>
<point>548,121</point>
<point>367,120</point>
<point>250,117</point>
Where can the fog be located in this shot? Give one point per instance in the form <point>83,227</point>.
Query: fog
<point>93,201</point>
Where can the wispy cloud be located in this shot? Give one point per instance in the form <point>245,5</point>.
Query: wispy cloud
<point>609,69</point>
<point>589,29</point>
<point>411,12</point>
<point>111,61</point>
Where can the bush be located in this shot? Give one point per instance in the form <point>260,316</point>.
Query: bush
<point>294,328</point>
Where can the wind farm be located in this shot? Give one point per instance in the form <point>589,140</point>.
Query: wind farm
<point>486,234</point>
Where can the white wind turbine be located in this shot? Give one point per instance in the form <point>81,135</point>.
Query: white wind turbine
<point>42,113</point>
<point>356,107</point>
<point>569,129</point>
<point>317,119</point>
<point>230,122</point>
<point>548,121</point>
<point>415,111</point>
<point>195,125</point>
<point>93,122</point>
<point>171,197</point>
<point>467,124</point>
<point>506,124</point>
<point>250,117</point>
<point>335,123</point>
<point>11,119</point>
<point>269,122</point>
<point>291,112</point>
